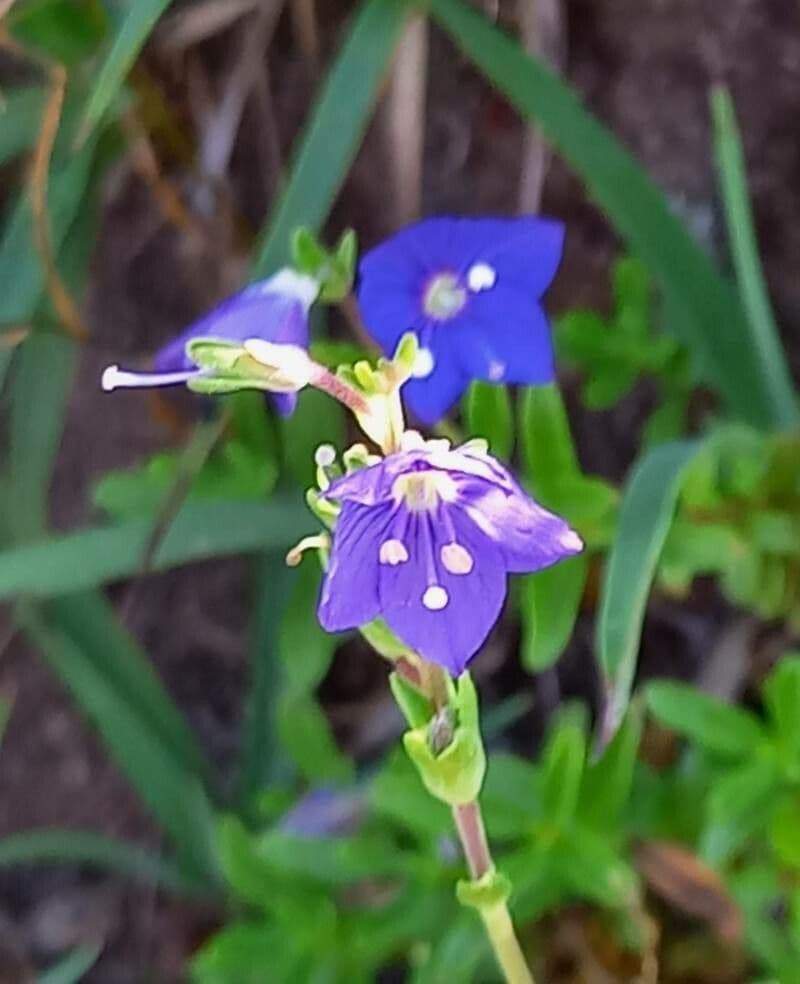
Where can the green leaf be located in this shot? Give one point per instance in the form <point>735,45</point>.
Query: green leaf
<point>784,832</point>
<point>62,30</point>
<point>397,794</point>
<point>782,698</point>
<point>20,266</point>
<point>563,762</point>
<point>261,754</point>
<point>306,648</point>
<point>739,803</point>
<point>550,604</point>
<point>489,415</point>
<point>20,119</point>
<point>317,420</point>
<point>548,451</point>
<point>70,969</point>
<point>96,555</point>
<point>720,728</point>
<point>769,358</point>
<point>134,29</point>
<point>589,868</point>
<point>79,653</point>
<point>245,953</point>
<point>307,736</point>
<point>37,418</point>
<point>730,360</point>
<point>608,781</point>
<point>333,134</point>
<point>88,848</point>
<point>645,516</point>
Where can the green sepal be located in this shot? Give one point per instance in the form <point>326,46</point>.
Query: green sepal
<point>327,512</point>
<point>416,707</point>
<point>215,355</point>
<point>485,893</point>
<point>383,640</point>
<point>455,774</point>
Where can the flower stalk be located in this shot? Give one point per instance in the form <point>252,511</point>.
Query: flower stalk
<point>448,753</point>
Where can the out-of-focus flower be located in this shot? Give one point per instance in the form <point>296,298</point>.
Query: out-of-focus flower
<point>271,312</point>
<point>425,539</point>
<point>470,289</point>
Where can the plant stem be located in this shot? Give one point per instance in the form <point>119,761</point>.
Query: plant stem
<point>497,918</point>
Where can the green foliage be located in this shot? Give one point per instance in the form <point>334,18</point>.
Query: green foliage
<point>335,269</point>
<point>488,414</point>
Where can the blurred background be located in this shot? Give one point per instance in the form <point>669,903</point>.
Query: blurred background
<point>175,194</point>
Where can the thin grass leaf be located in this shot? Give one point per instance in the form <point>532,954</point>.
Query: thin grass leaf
<point>87,618</point>
<point>19,120</point>
<point>262,756</point>
<point>97,851</point>
<point>37,419</point>
<point>91,557</point>
<point>174,794</point>
<point>5,714</point>
<point>71,969</point>
<point>645,516</point>
<point>713,323</point>
<point>134,29</point>
<point>333,134</point>
<point>489,414</point>
<point>742,237</point>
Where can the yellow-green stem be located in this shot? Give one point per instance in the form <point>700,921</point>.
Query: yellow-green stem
<point>496,918</point>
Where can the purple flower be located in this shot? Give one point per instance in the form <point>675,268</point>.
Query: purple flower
<point>424,540</point>
<point>274,310</point>
<point>470,289</point>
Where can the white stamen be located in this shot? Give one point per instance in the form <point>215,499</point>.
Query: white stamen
<point>411,440</point>
<point>571,541</point>
<point>115,378</point>
<point>325,456</point>
<point>393,552</point>
<point>291,365</point>
<point>435,598</point>
<point>481,276</point>
<point>496,370</point>
<point>424,363</point>
<point>457,559</point>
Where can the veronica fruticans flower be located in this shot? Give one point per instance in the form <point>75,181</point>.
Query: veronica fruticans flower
<point>471,290</point>
<point>425,539</point>
<point>273,311</point>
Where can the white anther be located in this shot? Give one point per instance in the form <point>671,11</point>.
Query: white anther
<point>571,541</point>
<point>424,363</point>
<point>496,370</point>
<point>393,552</point>
<point>435,598</point>
<point>325,456</point>
<point>457,559</point>
<point>481,276</point>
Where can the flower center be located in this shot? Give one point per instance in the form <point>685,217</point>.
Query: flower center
<point>444,297</point>
<point>421,491</point>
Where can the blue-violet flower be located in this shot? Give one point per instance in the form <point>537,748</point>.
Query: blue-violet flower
<point>273,310</point>
<point>471,290</point>
<point>425,539</point>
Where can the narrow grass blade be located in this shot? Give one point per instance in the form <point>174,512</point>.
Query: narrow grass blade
<point>713,323</point>
<point>489,414</point>
<point>54,846</point>
<point>87,619</point>
<point>174,794</point>
<point>338,121</point>
<point>19,120</point>
<point>72,968</point>
<point>88,558</point>
<point>262,755</point>
<point>134,29</point>
<point>645,516</point>
<point>741,234</point>
<point>37,419</point>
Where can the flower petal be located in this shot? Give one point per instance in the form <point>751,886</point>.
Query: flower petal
<point>349,596</point>
<point>430,398</point>
<point>444,614</point>
<point>250,314</point>
<point>528,536</point>
<point>505,338</point>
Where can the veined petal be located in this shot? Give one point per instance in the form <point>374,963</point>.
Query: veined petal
<point>349,596</point>
<point>444,599</point>
<point>528,536</point>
